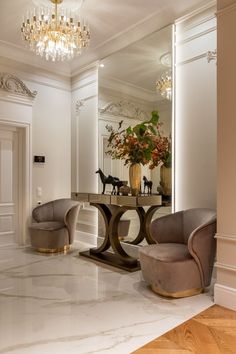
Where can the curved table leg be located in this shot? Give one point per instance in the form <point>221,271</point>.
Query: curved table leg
<point>106,213</point>
<point>114,238</point>
<point>142,232</point>
<point>148,218</point>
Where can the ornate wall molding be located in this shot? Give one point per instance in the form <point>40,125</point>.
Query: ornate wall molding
<point>211,55</point>
<point>79,104</point>
<point>14,85</point>
<point>124,109</point>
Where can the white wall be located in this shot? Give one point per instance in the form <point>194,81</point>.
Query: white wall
<point>195,112</point>
<point>49,120</point>
<point>85,131</point>
<point>225,288</point>
<point>51,136</point>
<point>85,148</point>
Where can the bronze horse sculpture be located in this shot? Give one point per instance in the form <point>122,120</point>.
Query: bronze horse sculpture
<point>114,181</point>
<point>147,184</point>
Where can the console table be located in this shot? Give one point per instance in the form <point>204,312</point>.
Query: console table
<point>120,204</point>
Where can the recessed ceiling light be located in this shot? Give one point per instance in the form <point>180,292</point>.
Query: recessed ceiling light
<point>101,65</point>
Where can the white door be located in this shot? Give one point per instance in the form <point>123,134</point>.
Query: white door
<point>8,184</point>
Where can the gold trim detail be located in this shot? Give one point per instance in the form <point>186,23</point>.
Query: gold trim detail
<point>56,1</point>
<point>54,250</point>
<point>178,294</point>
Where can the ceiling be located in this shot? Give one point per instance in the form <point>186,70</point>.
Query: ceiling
<point>140,64</point>
<point>114,24</point>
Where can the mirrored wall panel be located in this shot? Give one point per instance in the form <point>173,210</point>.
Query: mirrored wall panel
<point>133,83</point>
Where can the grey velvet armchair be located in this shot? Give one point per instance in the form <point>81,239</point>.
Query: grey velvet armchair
<point>55,225</point>
<point>180,263</point>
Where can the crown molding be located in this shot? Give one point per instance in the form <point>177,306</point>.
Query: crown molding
<point>35,75</point>
<point>211,4</point>
<point>196,36</point>
<point>133,33</point>
<point>117,85</point>
<point>24,55</point>
<point>85,71</point>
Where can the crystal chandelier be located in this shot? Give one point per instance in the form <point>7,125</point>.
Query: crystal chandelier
<point>54,34</point>
<point>164,85</point>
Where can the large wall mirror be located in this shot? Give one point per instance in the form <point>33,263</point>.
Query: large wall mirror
<point>128,91</point>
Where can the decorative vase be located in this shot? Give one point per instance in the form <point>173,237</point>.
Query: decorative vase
<point>135,178</point>
<point>125,189</point>
<point>166,180</point>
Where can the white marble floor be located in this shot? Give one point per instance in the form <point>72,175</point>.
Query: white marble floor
<point>65,304</point>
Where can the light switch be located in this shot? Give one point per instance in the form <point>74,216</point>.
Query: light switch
<point>39,191</point>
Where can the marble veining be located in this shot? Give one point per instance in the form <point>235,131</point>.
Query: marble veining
<point>65,304</point>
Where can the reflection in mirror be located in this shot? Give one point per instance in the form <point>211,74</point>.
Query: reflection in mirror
<point>133,82</point>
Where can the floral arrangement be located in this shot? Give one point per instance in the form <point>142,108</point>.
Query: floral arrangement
<point>143,144</point>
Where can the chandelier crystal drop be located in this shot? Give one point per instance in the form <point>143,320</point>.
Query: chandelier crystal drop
<point>55,34</point>
<point>164,85</point>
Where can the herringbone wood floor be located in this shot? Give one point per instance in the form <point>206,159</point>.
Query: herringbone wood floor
<point>211,332</point>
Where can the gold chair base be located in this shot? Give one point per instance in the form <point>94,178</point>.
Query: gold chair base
<point>178,294</point>
<point>54,250</point>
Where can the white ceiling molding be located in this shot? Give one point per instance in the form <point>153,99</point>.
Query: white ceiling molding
<point>125,109</point>
<point>13,84</point>
<point>129,89</point>
<point>23,55</point>
<point>165,13</point>
<point>195,12</point>
<point>31,74</point>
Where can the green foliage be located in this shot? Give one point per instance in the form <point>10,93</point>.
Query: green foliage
<point>142,143</point>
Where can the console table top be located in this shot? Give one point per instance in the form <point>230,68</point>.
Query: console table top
<point>134,201</point>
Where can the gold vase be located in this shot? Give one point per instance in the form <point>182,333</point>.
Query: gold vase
<point>135,178</point>
<point>166,180</point>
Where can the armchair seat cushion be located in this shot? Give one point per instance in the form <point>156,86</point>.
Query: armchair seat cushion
<point>54,225</point>
<point>180,263</point>
<point>167,252</point>
<point>48,225</point>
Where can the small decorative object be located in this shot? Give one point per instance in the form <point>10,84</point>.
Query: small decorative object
<point>147,184</point>
<point>142,144</point>
<point>165,175</point>
<point>114,181</point>
<point>125,189</point>
<point>165,181</point>
<point>135,178</point>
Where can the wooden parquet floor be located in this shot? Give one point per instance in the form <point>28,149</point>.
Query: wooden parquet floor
<point>213,331</point>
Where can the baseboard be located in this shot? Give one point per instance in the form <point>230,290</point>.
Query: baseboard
<point>225,296</point>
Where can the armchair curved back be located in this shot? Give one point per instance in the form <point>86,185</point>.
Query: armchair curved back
<point>43,212</point>
<point>195,228</point>
<point>193,218</point>
<point>54,210</point>
<point>168,228</point>
<point>177,227</point>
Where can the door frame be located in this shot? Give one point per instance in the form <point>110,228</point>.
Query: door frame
<point>24,178</point>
